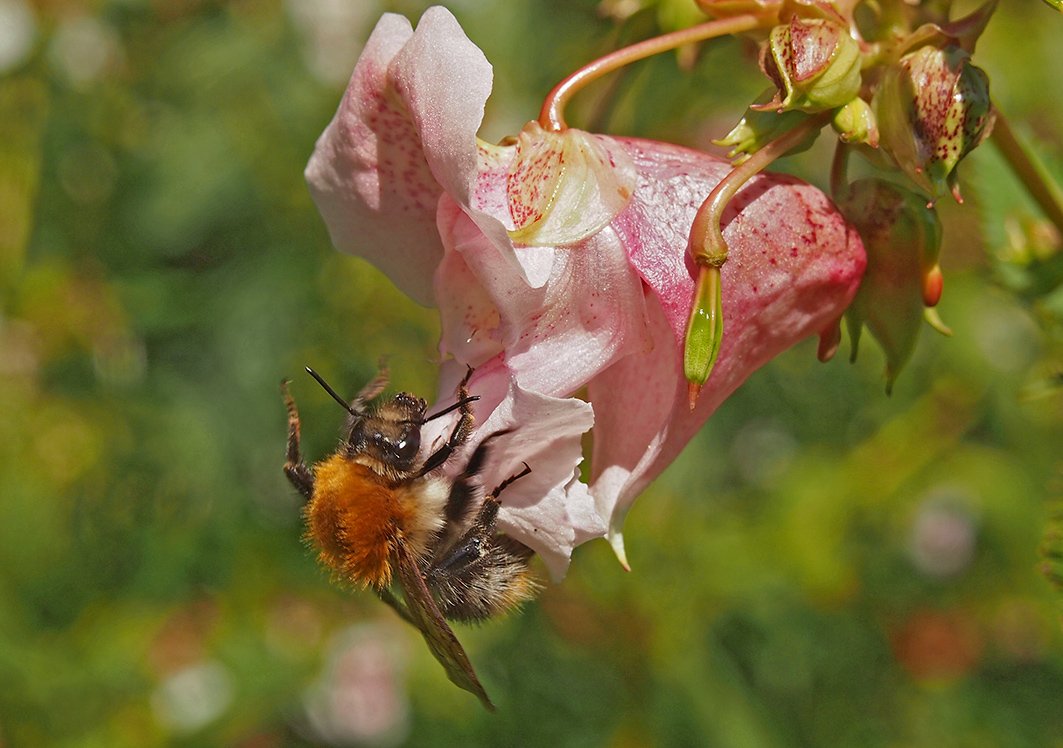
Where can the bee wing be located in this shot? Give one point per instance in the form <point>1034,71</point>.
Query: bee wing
<point>425,616</point>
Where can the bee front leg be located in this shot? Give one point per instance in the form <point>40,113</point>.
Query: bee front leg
<point>460,434</point>
<point>297,471</point>
<point>508,481</point>
<point>375,386</point>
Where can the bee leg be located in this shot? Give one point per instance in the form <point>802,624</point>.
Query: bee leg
<point>297,471</point>
<point>484,573</point>
<point>463,493</point>
<point>397,605</point>
<point>459,435</point>
<point>510,480</point>
<point>460,501</point>
<point>375,386</point>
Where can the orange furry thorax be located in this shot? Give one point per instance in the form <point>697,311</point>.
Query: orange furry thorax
<point>355,518</point>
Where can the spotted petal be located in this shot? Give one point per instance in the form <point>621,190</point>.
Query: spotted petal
<point>565,186</point>
<point>794,266</point>
<point>404,132</point>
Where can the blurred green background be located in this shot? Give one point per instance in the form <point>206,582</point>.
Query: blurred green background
<point>824,566</point>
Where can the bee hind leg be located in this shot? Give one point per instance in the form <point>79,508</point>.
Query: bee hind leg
<point>297,471</point>
<point>510,480</point>
<point>480,538</point>
<point>484,573</point>
<point>464,490</point>
<point>397,605</point>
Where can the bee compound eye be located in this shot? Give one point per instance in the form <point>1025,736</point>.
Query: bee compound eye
<point>409,445</point>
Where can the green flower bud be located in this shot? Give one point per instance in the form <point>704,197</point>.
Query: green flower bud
<point>704,330</point>
<point>758,128</point>
<point>855,123</point>
<point>902,237</point>
<point>933,109</point>
<point>815,62</point>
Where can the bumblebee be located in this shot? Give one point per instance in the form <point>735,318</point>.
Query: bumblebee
<point>381,517</point>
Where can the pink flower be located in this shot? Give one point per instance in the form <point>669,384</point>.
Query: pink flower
<point>558,262</point>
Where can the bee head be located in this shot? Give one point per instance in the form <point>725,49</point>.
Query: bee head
<point>392,433</point>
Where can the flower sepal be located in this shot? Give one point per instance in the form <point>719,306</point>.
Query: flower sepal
<point>757,128</point>
<point>902,237</point>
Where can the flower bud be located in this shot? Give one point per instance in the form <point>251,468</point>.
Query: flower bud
<point>855,123</point>
<point>902,237</point>
<point>704,330</point>
<point>758,128</point>
<point>933,109</point>
<point>815,62</point>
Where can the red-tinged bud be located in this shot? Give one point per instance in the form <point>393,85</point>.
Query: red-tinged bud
<point>902,237</point>
<point>814,63</point>
<point>933,283</point>
<point>933,109</point>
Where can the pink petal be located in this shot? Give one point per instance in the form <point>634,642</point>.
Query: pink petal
<point>557,337</point>
<point>794,266</point>
<point>405,130</point>
<point>471,322</point>
<point>444,80</point>
<point>564,187</point>
<point>788,242</point>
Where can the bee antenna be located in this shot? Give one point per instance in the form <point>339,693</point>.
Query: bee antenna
<point>325,385</point>
<point>464,401</point>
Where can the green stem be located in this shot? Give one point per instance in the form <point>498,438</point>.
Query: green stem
<point>839,171</point>
<point>1033,175</point>
<point>551,115</point>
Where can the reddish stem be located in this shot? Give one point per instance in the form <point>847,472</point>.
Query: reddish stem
<point>551,115</point>
<point>706,244</point>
